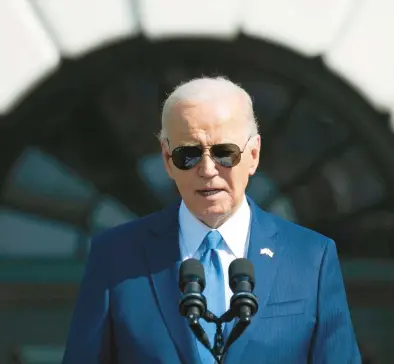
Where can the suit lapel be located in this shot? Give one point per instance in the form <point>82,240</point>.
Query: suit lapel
<point>262,236</point>
<point>164,260</point>
<point>263,240</point>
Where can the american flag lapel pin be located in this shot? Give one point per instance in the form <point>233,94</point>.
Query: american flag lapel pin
<point>267,251</point>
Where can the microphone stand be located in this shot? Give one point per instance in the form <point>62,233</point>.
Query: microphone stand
<point>243,305</point>
<point>220,348</point>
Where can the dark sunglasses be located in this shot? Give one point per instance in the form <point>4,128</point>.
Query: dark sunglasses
<point>227,155</point>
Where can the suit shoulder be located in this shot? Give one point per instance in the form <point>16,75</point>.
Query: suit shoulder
<point>301,235</point>
<point>124,233</point>
<point>303,244</point>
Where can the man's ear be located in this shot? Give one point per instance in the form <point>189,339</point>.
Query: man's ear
<point>166,158</point>
<point>255,154</point>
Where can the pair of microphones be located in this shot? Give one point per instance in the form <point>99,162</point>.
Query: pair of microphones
<point>193,304</point>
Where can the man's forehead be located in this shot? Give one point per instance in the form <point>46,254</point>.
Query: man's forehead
<point>206,136</point>
<point>206,114</point>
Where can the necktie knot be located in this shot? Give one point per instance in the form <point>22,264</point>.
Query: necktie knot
<point>211,241</point>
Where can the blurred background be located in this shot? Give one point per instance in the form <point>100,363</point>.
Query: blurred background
<point>81,87</point>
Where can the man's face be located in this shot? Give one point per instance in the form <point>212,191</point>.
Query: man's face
<point>206,123</point>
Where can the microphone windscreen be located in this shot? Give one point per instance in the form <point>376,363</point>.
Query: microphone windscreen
<point>241,267</point>
<point>191,270</point>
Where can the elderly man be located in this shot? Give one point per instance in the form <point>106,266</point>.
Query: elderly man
<point>127,308</point>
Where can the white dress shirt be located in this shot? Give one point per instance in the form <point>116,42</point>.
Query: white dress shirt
<point>235,232</point>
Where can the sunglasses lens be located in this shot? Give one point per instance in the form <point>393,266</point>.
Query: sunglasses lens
<point>227,155</point>
<point>186,157</point>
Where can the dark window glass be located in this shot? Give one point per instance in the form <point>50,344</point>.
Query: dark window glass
<point>24,235</point>
<point>343,185</point>
<point>109,213</point>
<point>310,134</point>
<point>41,174</point>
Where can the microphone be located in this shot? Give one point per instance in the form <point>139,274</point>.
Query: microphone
<point>193,304</point>
<point>241,278</point>
<point>243,303</point>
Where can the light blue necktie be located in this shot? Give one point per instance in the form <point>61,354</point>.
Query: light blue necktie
<point>214,290</point>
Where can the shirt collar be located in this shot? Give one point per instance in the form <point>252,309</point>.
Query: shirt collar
<point>235,231</point>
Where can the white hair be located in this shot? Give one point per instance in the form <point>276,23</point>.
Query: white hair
<point>206,88</point>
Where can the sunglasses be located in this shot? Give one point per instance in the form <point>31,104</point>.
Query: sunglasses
<point>227,155</point>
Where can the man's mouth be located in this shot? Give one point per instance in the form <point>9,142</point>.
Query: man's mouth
<point>209,192</point>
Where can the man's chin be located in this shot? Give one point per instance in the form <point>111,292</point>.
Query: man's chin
<point>214,215</point>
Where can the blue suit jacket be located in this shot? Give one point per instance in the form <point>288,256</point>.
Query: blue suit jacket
<point>127,308</point>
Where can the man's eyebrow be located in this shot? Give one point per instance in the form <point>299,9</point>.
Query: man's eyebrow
<point>185,143</point>
<point>189,144</point>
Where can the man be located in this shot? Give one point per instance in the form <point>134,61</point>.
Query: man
<point>127,309</point>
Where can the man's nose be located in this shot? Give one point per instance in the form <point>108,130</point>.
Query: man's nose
<point>207,167</point>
